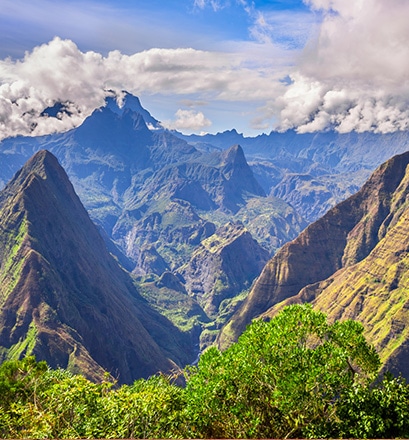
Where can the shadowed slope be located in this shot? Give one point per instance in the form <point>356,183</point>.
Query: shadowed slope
<point>63,297</point>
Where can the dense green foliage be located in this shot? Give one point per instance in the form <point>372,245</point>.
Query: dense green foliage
<point>295,376</point>
<point>282,378</point>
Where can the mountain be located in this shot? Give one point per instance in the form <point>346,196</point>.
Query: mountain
<point>311,171</point>
<point>225,263</point>
<point>64,298</point>
<point>351,263</point>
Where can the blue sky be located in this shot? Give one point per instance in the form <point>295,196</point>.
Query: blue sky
<point>131,26</point>
<point>208,65</point>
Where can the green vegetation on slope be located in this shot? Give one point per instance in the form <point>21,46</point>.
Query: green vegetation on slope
<point>295,376</point>
<point>11,265</point>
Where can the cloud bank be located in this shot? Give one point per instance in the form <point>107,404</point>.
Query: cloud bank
<point>355,74</point>
<point>352,74</point>
<point>60,72</point>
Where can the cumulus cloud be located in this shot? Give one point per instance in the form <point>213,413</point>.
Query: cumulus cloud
<point>52,73</point>
<point>188,120</point>
<point>60,72</point>
<point>355,74</point>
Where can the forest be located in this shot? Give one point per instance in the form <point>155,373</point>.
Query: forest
<point>294,376</point>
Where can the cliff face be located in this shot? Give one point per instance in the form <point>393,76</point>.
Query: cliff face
<point>349,262</point>
<point>225,263</point>
<point>63,297</point>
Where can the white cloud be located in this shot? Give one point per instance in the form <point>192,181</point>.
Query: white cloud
<point>60,72</point>
<point>355,74</point>
<point>188,120</point>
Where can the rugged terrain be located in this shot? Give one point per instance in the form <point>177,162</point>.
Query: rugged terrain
<point>351,263</point>
<point>312,171</point>
<point>63,297</point>
<point>195,218</point>
<point>158,197</point>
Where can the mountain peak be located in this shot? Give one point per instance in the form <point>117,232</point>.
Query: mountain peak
<point>61,290</point>
<point>237,171</point>
<point>126,101</point>
<point>234,154</point>
<point>43,165</point>
<point>42,160</point>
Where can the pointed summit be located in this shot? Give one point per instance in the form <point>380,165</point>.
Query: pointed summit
<point>233,156</point>
<point>238,179</point>
<point>237,171</point>
<point>119,104</point>
<point>63,297</point>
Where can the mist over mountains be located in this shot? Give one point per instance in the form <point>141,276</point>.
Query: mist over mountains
<point>191,220</point>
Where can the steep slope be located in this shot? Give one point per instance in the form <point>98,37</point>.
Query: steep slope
<point>345,236</point>
<point>223,265</point>
<point>62,295</point>
<point>374,290</point>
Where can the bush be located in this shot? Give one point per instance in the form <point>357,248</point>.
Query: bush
<point>295,376</point>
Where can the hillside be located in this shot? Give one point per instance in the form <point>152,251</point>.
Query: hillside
<point>352,263</point>
<point>64,298</point>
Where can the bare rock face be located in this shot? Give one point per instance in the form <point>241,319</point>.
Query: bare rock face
<point>225,263</point>
<point>63,297</point>
<point>352,263</point>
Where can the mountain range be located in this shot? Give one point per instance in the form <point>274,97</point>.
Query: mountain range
<point>351,263</point>
<point>176,229</point>
<point>155,198</point>
<point>311,171</point>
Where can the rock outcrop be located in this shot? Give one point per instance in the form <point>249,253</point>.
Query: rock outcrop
<point>223,265</point>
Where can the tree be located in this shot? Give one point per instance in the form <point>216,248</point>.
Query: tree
<point>378,411</point>
<point>282,379</point>
<point>294,376</point>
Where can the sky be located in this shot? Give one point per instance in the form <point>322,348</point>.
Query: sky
<point>206,66</point>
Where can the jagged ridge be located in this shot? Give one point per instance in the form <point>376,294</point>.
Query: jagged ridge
<point>348,263</point>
